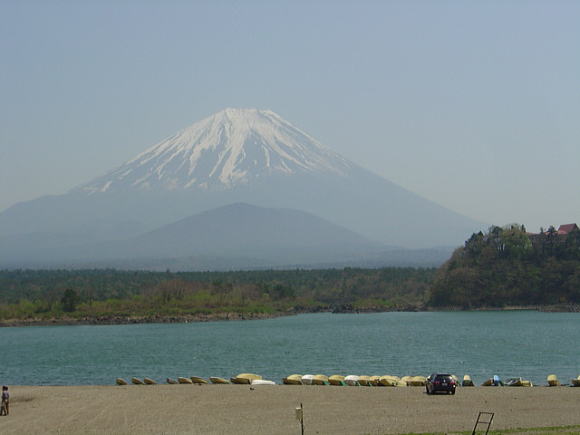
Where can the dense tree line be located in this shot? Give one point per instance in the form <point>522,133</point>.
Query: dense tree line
<point>507,267</point>
<point>43,294</point>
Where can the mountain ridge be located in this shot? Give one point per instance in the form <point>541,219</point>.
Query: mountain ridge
<point>236,155</point>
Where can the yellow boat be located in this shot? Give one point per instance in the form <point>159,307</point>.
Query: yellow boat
<point>198,380</point>
<point>216,380</point>
<point>374,380</point>
<point>121,381</point>
<point>575,382</point>
<point>292,380</point>
<point>245,378</point>
<point>487,382</point>
<point>364,380</point>
<point>389,381</point>
<point>137,381</point>
<point>467,382</point>
<point>416,381</point>
<point>183,380</point>
<point>336,380</point>
<point>553,381</point>
<point>320,380</point>
<point>149,381</point>
<point>171,381</point>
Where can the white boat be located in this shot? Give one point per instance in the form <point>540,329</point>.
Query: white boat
<point>307,379</point>
<point>262,382</point>
<point>351,380</point>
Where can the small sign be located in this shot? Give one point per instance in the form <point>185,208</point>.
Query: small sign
<point>299,414</point>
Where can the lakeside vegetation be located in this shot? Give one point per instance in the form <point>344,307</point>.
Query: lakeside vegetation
<point>503,267</point>
<point>510,267</point>
<point>112,294</point>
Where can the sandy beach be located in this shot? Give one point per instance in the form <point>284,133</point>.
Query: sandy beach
<point>237,409</point>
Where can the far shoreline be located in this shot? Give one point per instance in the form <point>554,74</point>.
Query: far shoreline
<point>236,316</point>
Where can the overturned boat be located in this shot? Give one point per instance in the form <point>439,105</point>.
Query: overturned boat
<point>320,380</point>
<point>553,381</point>
<point>467,382</point>
<point>336,380</point>
<point>517,382</point>
<point>262,382</point>
<point>294,379</point>
<point>389,381</point>
<point>245,378</point>
<point>351,380</point>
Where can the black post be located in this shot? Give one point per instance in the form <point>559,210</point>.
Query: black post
<point>302,419</point>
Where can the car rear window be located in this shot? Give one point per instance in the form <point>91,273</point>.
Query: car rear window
<point>443,377</point>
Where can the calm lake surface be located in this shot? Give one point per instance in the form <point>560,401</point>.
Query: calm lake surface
<point>527,344</point>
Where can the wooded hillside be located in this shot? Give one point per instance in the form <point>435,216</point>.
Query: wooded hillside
<point>508,266</point>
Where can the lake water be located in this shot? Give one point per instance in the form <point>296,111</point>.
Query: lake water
<point>527,344</point>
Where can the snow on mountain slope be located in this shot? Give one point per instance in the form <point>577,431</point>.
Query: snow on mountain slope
<point>227,149</point>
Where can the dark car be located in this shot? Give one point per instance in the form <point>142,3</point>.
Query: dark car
<point>440,382</point>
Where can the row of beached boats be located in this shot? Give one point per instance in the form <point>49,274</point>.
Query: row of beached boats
<point>339,380</point>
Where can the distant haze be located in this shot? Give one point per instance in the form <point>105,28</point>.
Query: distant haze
<point>472,105</point>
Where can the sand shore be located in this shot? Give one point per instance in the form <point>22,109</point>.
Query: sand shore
<point>269,410</point>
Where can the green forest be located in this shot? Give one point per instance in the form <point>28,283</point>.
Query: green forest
<point>107,294</point>
<point>509,267</point>
<point>504,267</point>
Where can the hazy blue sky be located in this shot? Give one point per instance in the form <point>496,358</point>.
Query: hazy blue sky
<point>472,104</point>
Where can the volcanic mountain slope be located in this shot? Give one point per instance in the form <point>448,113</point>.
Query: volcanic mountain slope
<point>231,148</point>
<point>236,155</point>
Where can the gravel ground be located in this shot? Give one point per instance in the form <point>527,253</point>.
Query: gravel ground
<point>237,409</point>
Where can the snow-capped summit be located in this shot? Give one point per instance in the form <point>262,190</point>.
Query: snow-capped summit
<point>227,149</point>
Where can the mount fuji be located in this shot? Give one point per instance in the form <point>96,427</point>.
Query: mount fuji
<point>234,156</point>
